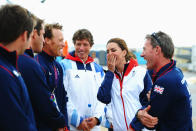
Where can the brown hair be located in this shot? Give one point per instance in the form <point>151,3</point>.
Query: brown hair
<point>14,20</point>
<point>48,29</point>
<point>83,34</point>
<point>122,44</point>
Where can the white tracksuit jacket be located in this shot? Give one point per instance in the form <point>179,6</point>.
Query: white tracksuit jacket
<point>127,95</point>
<point>81,81</point>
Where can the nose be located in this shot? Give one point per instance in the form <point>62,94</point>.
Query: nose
<point>81,47</point>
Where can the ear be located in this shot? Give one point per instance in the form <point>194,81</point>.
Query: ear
<point>24,36</point>
<point>47,41</point>
<point>124,52</point>
<point>34,33</point>
<point>157,50</point>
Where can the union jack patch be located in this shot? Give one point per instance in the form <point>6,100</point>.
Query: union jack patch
<point>158,89</point>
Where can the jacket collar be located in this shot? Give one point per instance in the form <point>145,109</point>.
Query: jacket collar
<point>163,70</point>
<point>73,57</point>
<point>29,52</point>
<point>11,57</point>
<point>47,56</point>
<point>127,68</point>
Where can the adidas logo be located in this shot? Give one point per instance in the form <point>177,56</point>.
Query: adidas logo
<point>77,76</point>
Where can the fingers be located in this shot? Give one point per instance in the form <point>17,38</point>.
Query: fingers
<point>83,126</point>
<point>111,61</point>
<point>91,122</point>
<point>147,119</point>
<point>86,128</point>
<point>147,108</point>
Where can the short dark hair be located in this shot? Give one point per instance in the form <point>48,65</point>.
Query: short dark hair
<point>49,27</point>
<point>122,44</point>
<point>83,34</point>
<point>14,20</point>
<point>164,41</point>
<point>38,25</point>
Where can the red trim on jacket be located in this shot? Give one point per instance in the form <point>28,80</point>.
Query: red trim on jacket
<point>7,70</point>
<point>163,73</point>
<point>10,52</point>
<point>131,128</point>
<point>132,63</point>
<point>76,58</point>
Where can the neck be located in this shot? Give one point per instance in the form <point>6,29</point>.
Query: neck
<point>14,46</point>
<point>84,59</point>
<point>162,62</point>
<point>47,51</point>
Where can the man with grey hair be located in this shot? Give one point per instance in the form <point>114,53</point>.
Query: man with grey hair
<point>170,99</point>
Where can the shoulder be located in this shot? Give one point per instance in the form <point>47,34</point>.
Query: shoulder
<point>8,79</point>
<point>66,64</point>
<point>40,58</point>
<point>5,72</point>
<point>172,82</point>
<point>25,60</point>
<point>139,70</point>
<point>172,77</point>
<point>97,66</point>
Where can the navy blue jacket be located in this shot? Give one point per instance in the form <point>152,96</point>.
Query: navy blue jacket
<point>47,116</point>
<point>50,66</point>
<point>16,113</point>
<point>170,100</point>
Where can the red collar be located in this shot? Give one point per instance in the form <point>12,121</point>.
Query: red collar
<point>76,58</point>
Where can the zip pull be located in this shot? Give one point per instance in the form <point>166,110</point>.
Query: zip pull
<point>84,65</point>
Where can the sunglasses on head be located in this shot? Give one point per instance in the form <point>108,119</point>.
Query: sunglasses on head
<point>156,38</point>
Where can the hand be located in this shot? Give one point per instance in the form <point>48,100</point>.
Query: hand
<point>147,119</point>
<point>83,126</point>
<point>92,121</point>
<point>111,61</point>
<point>60,129</point>
<point>130,129</point>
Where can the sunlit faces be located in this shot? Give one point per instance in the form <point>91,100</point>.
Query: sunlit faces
<point>56,43</point>
<point>82,49</point>
<point>115,50</point>
<point>38,40</point>
<point>149,54</point>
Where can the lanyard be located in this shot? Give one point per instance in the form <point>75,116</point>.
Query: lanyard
<point>55,77</point>
<point>56,82</point>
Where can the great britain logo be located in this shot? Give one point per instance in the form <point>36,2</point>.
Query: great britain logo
<point>158,89</point>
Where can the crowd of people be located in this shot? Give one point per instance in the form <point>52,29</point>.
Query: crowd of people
<point>40,93</point>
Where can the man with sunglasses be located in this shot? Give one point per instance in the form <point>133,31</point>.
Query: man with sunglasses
<point>170,99</point>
